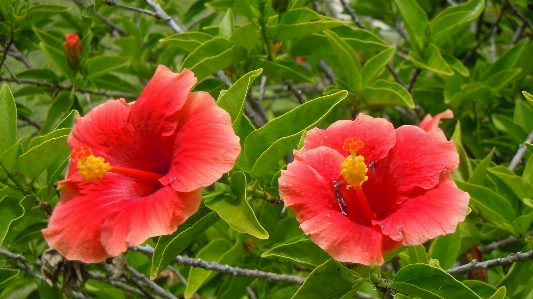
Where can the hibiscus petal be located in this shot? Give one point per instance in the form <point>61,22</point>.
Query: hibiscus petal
<point>429,123</point>
<point>418,160</point>
<point>79,227</point>
<point>205,146</point>
<point>347,241</point>
<point>376,133</point>
<point>133,221</point>
<point>428,214</point>
<point>307,184</point>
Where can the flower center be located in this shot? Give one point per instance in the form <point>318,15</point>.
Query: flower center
<point>91,167</point>
<point>354,170</point>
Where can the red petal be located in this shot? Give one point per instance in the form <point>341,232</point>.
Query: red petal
<point>307,184</point>
<point>418,160</point>
<point>347,241</point>
<point>428,214</point>
<point>136,220</point>
<point>79,226</point>
<point>376,133</point>
<point>205,147</point>
<point>429,123</point>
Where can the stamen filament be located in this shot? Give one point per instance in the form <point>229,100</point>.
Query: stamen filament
<point>364,207</point>
<point>139,174</point>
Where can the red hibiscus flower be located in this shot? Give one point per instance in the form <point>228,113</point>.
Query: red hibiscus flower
<point>429,122</point>
<point>137,170</point>
<point>72,49</point>
<point>362,188</point>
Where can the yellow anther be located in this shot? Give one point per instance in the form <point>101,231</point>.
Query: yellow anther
<point>354,171</point>
<point>92,167</point>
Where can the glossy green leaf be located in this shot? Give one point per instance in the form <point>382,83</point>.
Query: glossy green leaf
<point>57,111</point>
<point>264,147</point>
<point>8,119</point>
<point>507,126</point>
<point>103,64</point>
<point>286,70</point>
<point>57,58</point>
<point>329,280</point>
<point>482,289</point>
<point>234,98</point>
<point>469,92</point>
<point>453,19</point>
<point>375,64</point>
<point>445,249</point>
<point>41,12</point>
<point>432,61</point>
<point>39,74</point>
<point>508,60</point>
<point>7,274</point>
<point>499,294</point>
<point>523,222</point>
<point>302,252</point>
<point>248,36</point>
<point>480,173</point>
<point>416,22</point>
<point>54,134</point>
<point>456,64</point>
<point>215,61</point>
<point>518,279</point>
<point>493,207</point>
<point>511,180</point>
<point>500,79</point>
<point>8,159</point>
<point>219,251</point>
<point>11,211</point>
<point>187,41</point>
<point>387,93</point>
<point>234,287</point>
<point>528,96</point>
<point>424,281</point>
<point>300,22</point>
<point>53,41</point>
<point>39,158</point>
<point>416,254</point>
<point>350,63</point>
<point>227,25</point>
<point>235,210</point>
<point>168,247</point>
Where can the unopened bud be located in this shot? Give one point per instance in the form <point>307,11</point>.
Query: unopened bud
<point>281,6</point>
<point>72,50</point>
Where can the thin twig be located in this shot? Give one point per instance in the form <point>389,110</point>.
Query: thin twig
<point>103,18</point>
<point>501,243</point>
<point>251,293</point>
<point>489,34</point>
<point>508,260</point>
<point>521,15</point>
<point>352,14</point>
<point>65,87</point>
<point>38,125</point>
<point>327,70</point>
<point>413,79</point>
<point>520,153</point>
<point>133,8</point>
<point>139,286</point>
<point>298,94</point>
<point>152,285</point>
<point>162,15</point>
<point>15,52</point>
<point>116,283</point>
<point>226,269</point>
<point>181,278</point>
<point>6,48</point>
<point>393,72</point>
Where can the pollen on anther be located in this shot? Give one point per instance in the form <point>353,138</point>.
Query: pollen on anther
<point>80,152</point>
<point>352,144</point>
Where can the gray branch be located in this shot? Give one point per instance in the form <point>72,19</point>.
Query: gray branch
<point>508,260</point>
<point>520,153</point>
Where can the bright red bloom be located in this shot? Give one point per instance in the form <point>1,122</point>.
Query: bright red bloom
<point>429,123</point>
<point>72,50</point>
<point>358,203</point>
<point>159,152</point>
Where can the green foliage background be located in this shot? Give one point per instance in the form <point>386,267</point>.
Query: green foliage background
<point>284,72</point>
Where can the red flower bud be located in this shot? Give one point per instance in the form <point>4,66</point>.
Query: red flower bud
<point>72,50</point>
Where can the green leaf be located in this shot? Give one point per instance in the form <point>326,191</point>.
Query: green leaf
<point>58,110</point>
<point>234,98</point>
<point>480,173</point>
<point>234,287</point>
<point>468,92</point>
<point>286,70</point>
<point>523,222</point>
<point>453,19</point>
<point>51,40</point>
<point>227,25</point>
<point>8,159</point>
<point>517,279</point>
<point>248,36</point>
<point>103,64</point>
<point>302,252</point>
<point>375,64</point>
<point>168,247</point>
<point>419,280</point>
<point>300,22</point>
<point>39,12</point>
<point>213,55</point>
<point>456,64</point>
<point>416,23</point>
<point>11,211</point>
<point>482,289</point>
<point>187,41</point>
<point>264,147</point>
<point>499,79</point>
<point>499,294</point>
<point>54,134</point>
<point>219,251</point>
<point>508,60</point>
<point>507,126</point>
<point>58,59</point>
<point>7,274</point>
<point>432,61</point>
<point>528,96</point>
<point>8,119</point>
<point>39,158</point>
<point>445,249</point>
<point>235,210</point>
<point>511,180</point>
<point>329,280</point>
<point>387,93</point>
<point>416,254</point>
<point>350,63</point>
<point>493,207</point>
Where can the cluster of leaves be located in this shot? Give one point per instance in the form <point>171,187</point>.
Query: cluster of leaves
<point>399,59</point>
